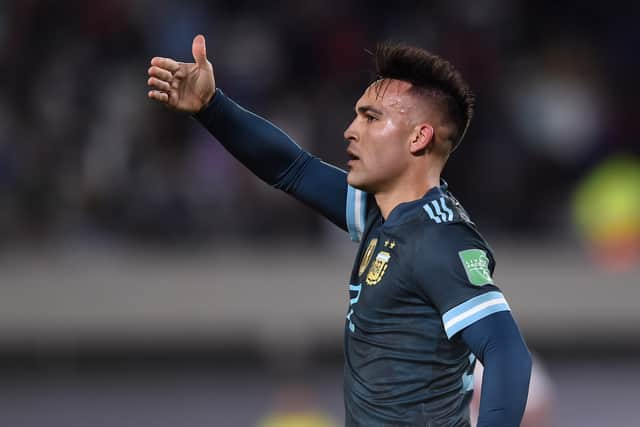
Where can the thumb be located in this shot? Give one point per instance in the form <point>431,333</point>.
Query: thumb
<point>199,50</point>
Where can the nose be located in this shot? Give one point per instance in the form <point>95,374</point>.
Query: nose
<point>350,133</point>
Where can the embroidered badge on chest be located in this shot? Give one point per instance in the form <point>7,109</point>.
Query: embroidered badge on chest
<point>367,256</point>
<point>377,270</point>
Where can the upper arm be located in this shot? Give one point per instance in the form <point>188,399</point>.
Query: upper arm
<point>356,212</point>
<point>496,333</point>
<point>454,272</point>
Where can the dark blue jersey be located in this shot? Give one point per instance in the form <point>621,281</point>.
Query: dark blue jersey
<point>420,292</point>
<point>419,278</point>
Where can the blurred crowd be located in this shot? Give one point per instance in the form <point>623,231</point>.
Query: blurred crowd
<point>82,150</point>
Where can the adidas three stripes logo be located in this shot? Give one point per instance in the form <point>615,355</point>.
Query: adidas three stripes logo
<point>438,211</point>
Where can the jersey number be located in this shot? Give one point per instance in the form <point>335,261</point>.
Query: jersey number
<point>352,301</point>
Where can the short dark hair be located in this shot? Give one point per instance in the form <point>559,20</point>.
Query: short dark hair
<point>431,76</point>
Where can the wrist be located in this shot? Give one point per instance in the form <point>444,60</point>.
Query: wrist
<point>207,102</point>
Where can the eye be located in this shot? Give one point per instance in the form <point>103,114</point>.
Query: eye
<point>369,118</point>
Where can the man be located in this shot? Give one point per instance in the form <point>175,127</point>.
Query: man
<point>423,305</point>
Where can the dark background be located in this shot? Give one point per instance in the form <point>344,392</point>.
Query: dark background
<point>147,278</point>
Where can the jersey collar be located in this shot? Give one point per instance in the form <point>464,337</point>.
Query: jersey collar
<point>404,211</point>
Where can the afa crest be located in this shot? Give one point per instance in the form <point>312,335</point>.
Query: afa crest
<point>378,268</point>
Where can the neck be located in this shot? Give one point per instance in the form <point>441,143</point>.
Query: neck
<point>404,192</point>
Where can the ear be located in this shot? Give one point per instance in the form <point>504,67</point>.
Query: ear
<point>422,138</point>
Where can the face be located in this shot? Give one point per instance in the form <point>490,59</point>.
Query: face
<point>379,138</point>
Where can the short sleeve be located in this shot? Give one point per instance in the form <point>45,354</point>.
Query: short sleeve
<point>356,212</point>
<point>454,269</point>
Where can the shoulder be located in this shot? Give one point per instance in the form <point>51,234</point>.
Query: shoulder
<point>440,241</point>
<point>443,209</point>
<point>444,247</point>
<point>361,209</point>
<point>443,220</point>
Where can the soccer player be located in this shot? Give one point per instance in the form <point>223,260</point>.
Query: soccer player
<point>422,302</point>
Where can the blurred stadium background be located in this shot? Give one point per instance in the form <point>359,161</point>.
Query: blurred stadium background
<point>147,279</point>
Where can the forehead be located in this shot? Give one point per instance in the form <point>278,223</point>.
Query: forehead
<point>387,93</point>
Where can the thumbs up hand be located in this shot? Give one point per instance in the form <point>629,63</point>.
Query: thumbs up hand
<point>183,86</point>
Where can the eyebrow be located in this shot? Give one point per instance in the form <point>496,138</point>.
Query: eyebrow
<point>369,109</point>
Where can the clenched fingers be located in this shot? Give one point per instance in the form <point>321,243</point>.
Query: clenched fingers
<point>159,84</point>
<point>158,96</point>
<point>166,63</point>
<point>160,73</point>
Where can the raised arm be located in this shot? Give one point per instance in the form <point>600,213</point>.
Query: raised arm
<point>258,144</point>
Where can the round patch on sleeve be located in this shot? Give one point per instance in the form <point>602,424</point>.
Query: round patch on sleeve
<point>476,265</point>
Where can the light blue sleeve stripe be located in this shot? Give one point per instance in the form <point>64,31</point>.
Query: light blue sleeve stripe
<point>362,211</point>
<point>356,210</point>
<point>351,218</point>
<point>473,310</point>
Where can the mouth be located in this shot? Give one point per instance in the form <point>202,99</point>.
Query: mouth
<point>352,158</point>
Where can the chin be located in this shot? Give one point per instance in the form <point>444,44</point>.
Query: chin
<point>360,184</point>
<point>353,180</point>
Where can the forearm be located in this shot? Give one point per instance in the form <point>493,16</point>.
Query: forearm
<point>507,369</point>
<point>505,386</point>
<point>258,144</point>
